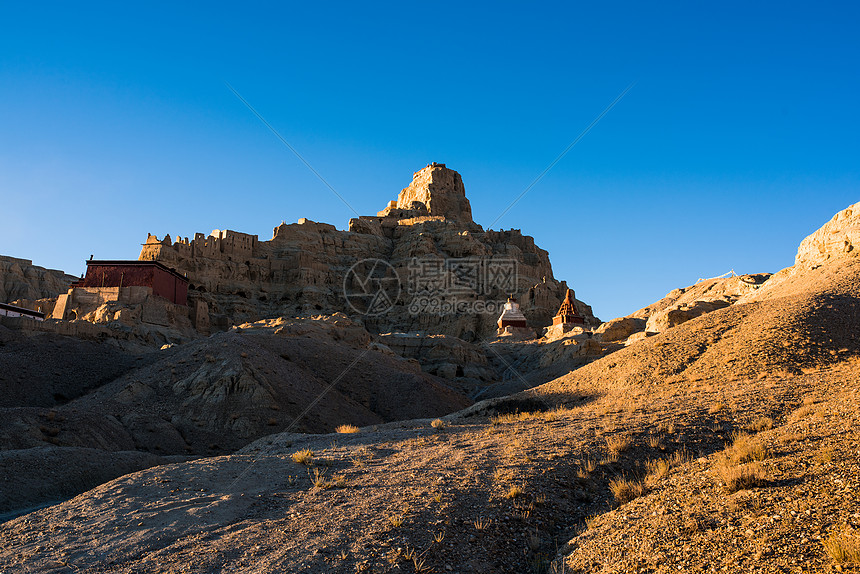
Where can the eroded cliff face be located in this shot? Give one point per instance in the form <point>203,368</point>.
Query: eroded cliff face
<point>21,280</point>
<point>839,237</point>
<point>302,269</point>
<point>441,190</point>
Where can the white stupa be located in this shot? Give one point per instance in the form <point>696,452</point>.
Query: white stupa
<point>512,322</point>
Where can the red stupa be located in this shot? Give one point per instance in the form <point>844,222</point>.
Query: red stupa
<point>567,312</point>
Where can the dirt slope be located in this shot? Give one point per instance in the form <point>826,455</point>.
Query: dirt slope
<point>47,370</point>
<point>210,396</point>
<point>804,324</point>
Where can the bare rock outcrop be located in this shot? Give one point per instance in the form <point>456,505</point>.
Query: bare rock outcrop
<point>444,356</point>
<point>619,329</point>
<point>681,305</point>
<point>21,280</point>
<point>303,268</point>
<point>839,237</point>
<point>681,313</point>
<point>439,191</point>
<point>835,242</point>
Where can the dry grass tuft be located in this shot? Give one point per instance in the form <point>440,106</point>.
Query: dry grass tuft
<point>482,523</point>
<point>347,429</point>
<point>746,448</point>
<point>516,417</point>
<point>617,444</point>
<point>843,546</point>
<point>761,424</point>
<point>318,478</point>
<point>514,492</point>
<point>624,490</point>
<point>739,466</point>
<point>741,477</point>
<point>304,456</point>
<point>438,424</point>
<point>396,520</point>
<point>656,470</point>
<point>809,408</point>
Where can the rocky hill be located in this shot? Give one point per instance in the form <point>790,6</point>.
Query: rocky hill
<point>727,442</point>
<point>427,235</point>
<point>26,283</point>
<point>206,397</point>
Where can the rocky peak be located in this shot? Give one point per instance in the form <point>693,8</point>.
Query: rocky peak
<point>436,191</point>
<point>839,237</point>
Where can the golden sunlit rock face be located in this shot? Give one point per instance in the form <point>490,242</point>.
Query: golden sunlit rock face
<point>236,277</point>
<point>441,191</point>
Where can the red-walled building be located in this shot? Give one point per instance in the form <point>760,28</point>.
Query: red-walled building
<point>164,281</point>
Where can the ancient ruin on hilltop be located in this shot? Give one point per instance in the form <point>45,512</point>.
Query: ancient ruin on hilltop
<point>235,277</point>
<point>435,194</point>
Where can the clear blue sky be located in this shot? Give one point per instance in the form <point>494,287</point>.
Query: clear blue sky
<point>740,137</point>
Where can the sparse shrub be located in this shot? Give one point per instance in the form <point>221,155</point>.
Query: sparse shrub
<point>396,520</point>
<point>304,456</point>
<point>679,457</point>
<point>746,448</point>
<point>617,444</point>
<point>514,492</point>
<point>761,424</point>
<point>656,469</point>
<point>347,429</point>
<point>654,441</point>
<point>591,521</point>
<point>741,477</point>
<point>318,478</point>
<point>438,424</point>
<point>482,523</point>
<point>420,564</point>
<point>624,490</point>
<point>843,545</point>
